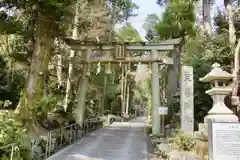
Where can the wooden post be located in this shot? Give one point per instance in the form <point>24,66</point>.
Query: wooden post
<point>122,92</point>
<point>127,99</point>
<point>128,91</point>
<point>125,90</point>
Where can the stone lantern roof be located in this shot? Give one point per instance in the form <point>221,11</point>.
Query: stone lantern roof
<point>216,74</point>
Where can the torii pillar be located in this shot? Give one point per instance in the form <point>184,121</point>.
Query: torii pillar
<point>156,121</point>
<point>155,60</point>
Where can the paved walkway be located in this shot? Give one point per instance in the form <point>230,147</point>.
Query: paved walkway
<point>120,141</point>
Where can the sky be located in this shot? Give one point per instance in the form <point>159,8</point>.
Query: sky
<point>145,7</point>
<point>149,6</point>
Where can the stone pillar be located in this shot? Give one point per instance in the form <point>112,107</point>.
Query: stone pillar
<point>83,88</point>
<point>156,121</point>
<point>219,112</point>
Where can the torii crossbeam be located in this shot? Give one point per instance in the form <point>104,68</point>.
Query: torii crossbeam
<point>164,45</point>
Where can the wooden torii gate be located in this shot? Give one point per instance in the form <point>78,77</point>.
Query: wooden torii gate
<point>122,56</point>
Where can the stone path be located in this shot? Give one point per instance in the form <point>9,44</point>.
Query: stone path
<point>120,141</point>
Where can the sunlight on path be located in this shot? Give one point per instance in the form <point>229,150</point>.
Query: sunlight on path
<point>120,141</point>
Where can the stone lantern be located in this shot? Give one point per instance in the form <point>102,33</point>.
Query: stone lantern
<point>219,111</point>
<point>219,89</point>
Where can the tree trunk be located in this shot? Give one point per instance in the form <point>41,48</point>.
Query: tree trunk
<point>236,71</point>
<point>39,65</point>
<point>207,17</point>
<point>232,42</point>
<point>71,57</point>
<point>45,72</point>
<point>232,30</point>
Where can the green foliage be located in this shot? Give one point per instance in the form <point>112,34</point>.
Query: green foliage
<point>46,104</point>
<point>143,94</point>
<point>149,102</point>
<point>201,53</point>
<point>50,17</point>
<point>165,2</point>
<point>129,34</point>
<point>183,141</point>
<point>151,21</point>
<point>20,50</point>
<point>32,13</point>
<point>12,132</point>
<point>221,23</point>
<point>124,9</point>
<point>9,25</point>
<point>178,20</point>
<point>11,83</point>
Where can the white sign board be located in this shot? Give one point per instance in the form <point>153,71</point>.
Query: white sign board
<point>225,144</point>
<point>163,111</point>
<point>186,98</point>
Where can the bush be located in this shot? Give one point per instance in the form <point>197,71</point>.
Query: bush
<point>157,138</point>
<point>12,133</point>
<point>183,141</point>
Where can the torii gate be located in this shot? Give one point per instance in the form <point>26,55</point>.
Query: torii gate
<point>122,56</point>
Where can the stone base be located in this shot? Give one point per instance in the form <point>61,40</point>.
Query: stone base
<point>201,146</point>
<point>201,136</point>
<point>230,118</point>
